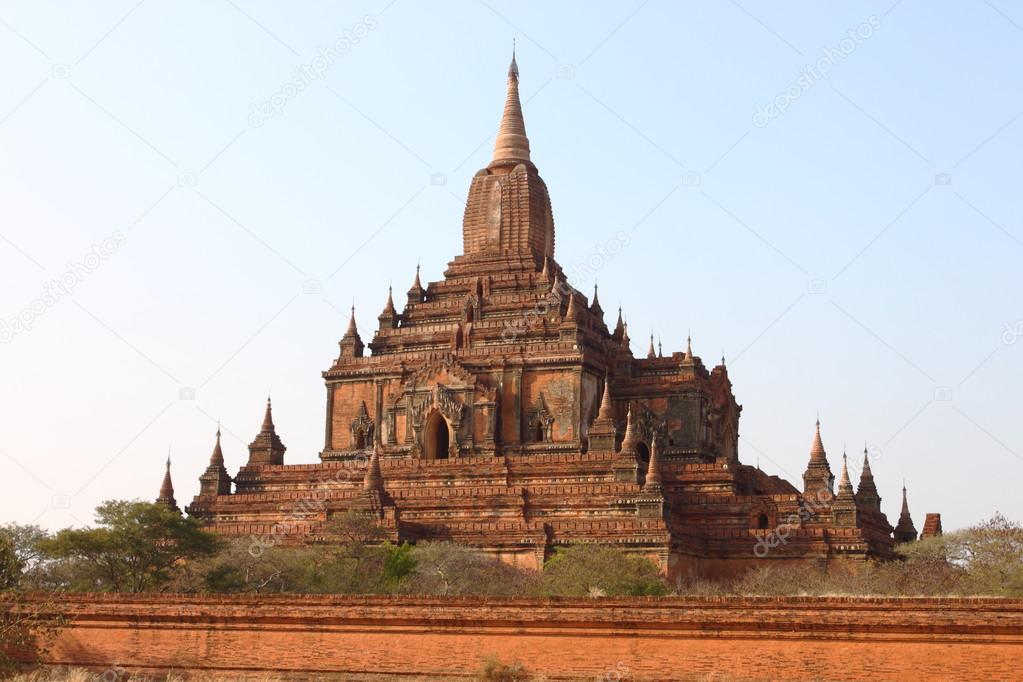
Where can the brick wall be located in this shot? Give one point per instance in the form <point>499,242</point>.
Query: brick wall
<point>655,639</point>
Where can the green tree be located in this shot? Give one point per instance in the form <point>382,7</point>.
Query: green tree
<point>136,546</point>
<point>11,566</point>
<point>27,540</point>
<point>986,559</point>
<point>597,570</point>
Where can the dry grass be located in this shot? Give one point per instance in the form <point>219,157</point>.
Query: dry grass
<point>120,675</point>
<point>83,675</point>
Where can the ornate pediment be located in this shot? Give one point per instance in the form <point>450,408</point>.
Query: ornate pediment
<point>445,370</point>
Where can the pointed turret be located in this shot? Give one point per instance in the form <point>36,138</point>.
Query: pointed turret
<point>416,293</point>
<point>351,343</point>
<point>626,464</point>
<point>844,504</point>
<point>687,359</point>
<point>845,487</point>
<point>653,483</point>
<point>545,274</point>
<point>217,458</point>
<point>267,447</point>
<point>651,352</point>
<point>373,479</point>
<point>389,317</point>
<point>603,433</point>
<point>595,308</point>
<point>905,531</point>
<point>606,411</point>
<point>619,331</point>
<point>660,349</point>
<point>508,210</point>
<point>817,452</point>
<point>818,479</point>
<point>166,497</point>
<point>215,480</point>
<point>630,440</point>
<point>573,311</point>
<point>866,494</point>
<point>512,145</point>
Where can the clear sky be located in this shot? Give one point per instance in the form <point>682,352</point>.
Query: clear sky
<point>840,216</point>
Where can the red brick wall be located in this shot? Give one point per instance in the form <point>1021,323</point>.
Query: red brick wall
<point>727,638</point>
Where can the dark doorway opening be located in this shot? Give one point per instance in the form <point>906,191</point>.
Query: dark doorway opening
<point>436,437</point>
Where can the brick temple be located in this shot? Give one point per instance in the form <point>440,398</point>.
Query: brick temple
<point>498,409</point>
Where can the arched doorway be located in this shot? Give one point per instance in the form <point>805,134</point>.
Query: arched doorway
<point>436,437</point>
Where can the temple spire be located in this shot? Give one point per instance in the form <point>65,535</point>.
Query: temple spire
<point>351,343</point>
<point>217,458</point>
<point>267,447</point>
<point>619,331</point>
<point>512,145</point>
<point>866,493</point>
<point>415,293</point>
<point>845,488</point>
<point>389,317</point>
<point>215,480</point>
<point>595,308</point>
<point>629,440</point>
<point>166,497</point>
<point>572,312</point>
<point>905,531</point>
<point>817,453</point>
<point>353,329</point>
<point>818,479</point>
<point>651,352</point>
<point>688,359</point>
<point>653,483</point>
<point>268,418</point>
<point>373,479</point>
<point>605,411</point>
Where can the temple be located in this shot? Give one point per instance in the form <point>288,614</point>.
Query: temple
<point>499,410</point>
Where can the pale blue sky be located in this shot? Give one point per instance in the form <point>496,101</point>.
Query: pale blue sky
<point>858,256</point>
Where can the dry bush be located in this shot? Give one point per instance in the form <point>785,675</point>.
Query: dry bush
<point>493,670</point>
<point>598,570</point>
<point>444,568</point>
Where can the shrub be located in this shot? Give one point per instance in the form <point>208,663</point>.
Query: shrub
<point>10,565</point>
<point>493,670</point>
<point>444,568</point>
<point>591,570</point>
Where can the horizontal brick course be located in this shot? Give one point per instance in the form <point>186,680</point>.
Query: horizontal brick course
<point>733,638</point>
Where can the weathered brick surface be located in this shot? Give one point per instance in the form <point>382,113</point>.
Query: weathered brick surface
<point>710,638</point>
